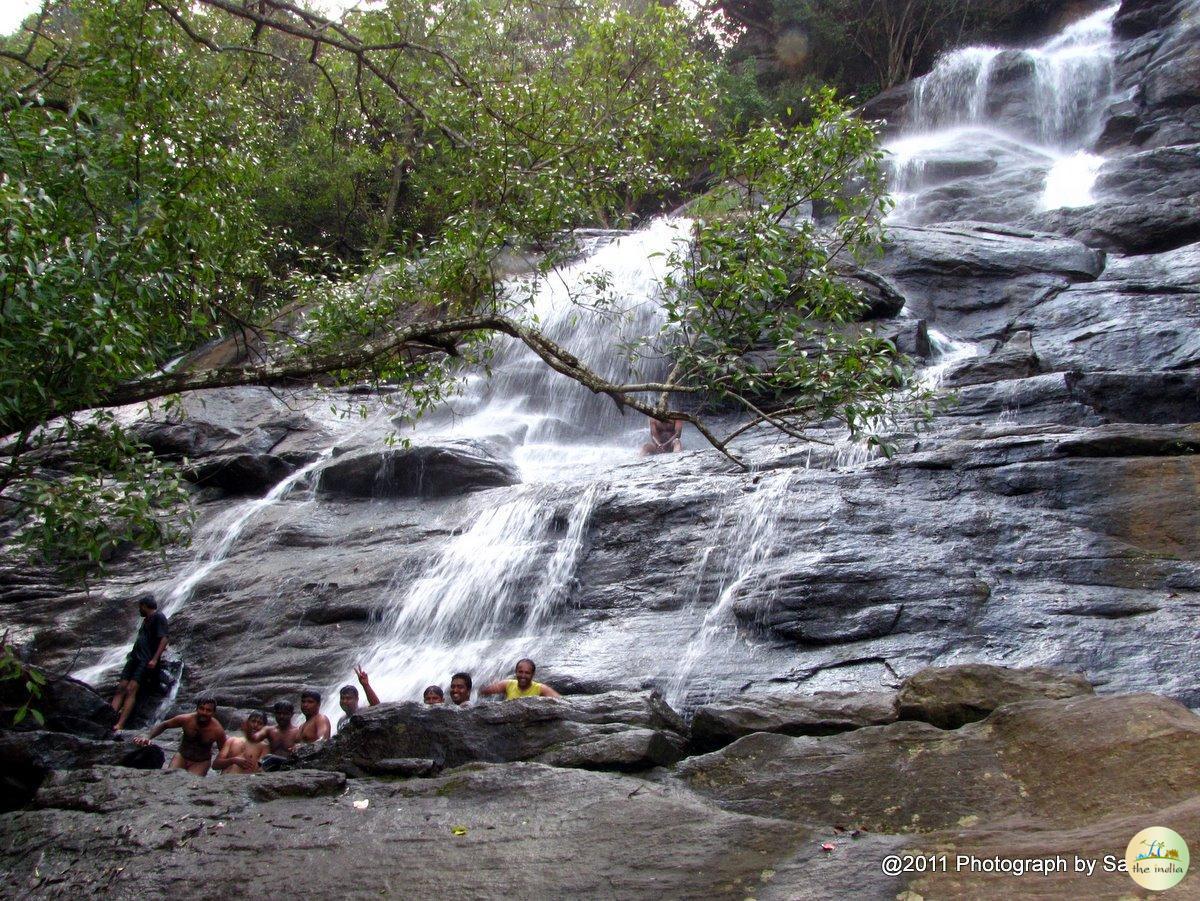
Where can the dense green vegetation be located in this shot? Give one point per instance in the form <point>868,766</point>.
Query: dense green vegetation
<point>176,171</point>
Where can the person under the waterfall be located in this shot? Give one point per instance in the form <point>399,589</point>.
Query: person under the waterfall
<point>522,686</point>
<point>433,695</point>
<point>666,437</point>
<point>316,724</point>
<point>241,754</point>
<point>201,733</point>
<point>141,666</point>
<point>281,738</point>
<point>348,697</point>
<point>460,689</point>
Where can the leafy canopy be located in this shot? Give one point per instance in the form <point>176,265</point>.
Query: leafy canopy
<point>155,151</point>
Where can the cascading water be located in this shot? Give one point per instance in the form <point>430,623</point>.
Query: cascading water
<point>994,134</point>
<point>742,554</point>
<point>604,308</point>
<point>490,598</point>
<point>212,548</point>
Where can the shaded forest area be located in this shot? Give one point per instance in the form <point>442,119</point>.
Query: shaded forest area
<point>780,49</point>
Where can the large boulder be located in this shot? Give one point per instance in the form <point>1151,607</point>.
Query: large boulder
<point>1059,763</point>
<point>230,421</point>
<point>64,704</point>
<point>880,296</point>
<point>1123,226</point>
<point>420,471</point>
<point>820,713</point>
<point>1014,359</point>
<point>1157,76</point>
<point>26,758</point>
<point>1137,17</point>
<point>1150,397</point>
<point>616,730</point>
<point>979,276</point>
<point>244,473</point>
<point>952,696</point>
<point>1152,176</point>
<point>1116,325</point>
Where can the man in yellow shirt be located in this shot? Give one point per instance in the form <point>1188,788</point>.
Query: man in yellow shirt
<point>521,687</point>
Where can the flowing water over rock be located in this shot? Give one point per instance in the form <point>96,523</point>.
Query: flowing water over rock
<point>1048,517</point>
<point>1006,122</point>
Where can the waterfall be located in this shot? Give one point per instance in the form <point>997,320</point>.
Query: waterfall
<point>491,597</point>
<point>212,548</point>
<point>493,594</point>
<point>607,309</point>
<point>1015,125</point>
<point>744,549</point>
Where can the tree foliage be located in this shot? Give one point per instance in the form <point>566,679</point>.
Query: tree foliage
<point>155,153</point>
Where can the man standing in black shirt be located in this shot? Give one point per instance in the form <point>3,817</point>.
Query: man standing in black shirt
<point>142,663</point>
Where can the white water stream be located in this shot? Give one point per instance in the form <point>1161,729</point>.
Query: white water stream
<point>965,119</point>
<point>212,547</point>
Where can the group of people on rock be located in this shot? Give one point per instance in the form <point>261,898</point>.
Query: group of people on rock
<point>261,746</point>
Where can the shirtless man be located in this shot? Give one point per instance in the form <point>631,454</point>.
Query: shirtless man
<point>242,754</point>
<point>316,724</point>
<point>666,437</point>
<point>460,688</point>
<point>201,732</point>
<point>281,738</point>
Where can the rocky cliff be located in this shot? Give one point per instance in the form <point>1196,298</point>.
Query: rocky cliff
<point>1048,517</point>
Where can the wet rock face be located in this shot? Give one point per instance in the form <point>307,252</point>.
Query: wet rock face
<point>820,713</point>
<point>1157,70</point>
<point>1063,763</point>
<point>252,474</point>
<point>952,696</point>
<point>64,704</point>
<point>615,731</point>
<point>420,471</point>
<point>27,758</point>
<point>487,831</point>
<point>978,276</point>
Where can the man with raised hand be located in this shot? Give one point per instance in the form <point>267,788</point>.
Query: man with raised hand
<point>348,697</point>
<point>522,686</point>
<point>201,733</point>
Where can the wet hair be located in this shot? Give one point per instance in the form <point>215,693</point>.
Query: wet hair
<point>310,693</point>
<point>256,715</point>
<point>206,700</point>
<point>532,665</point>
<point>147,599</point>
<point>437,691</point>
<point>283,707</point>
<point>465,677</point>
<point>347,690</point>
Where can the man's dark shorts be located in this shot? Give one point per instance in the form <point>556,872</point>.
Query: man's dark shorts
<point>135,669</point>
